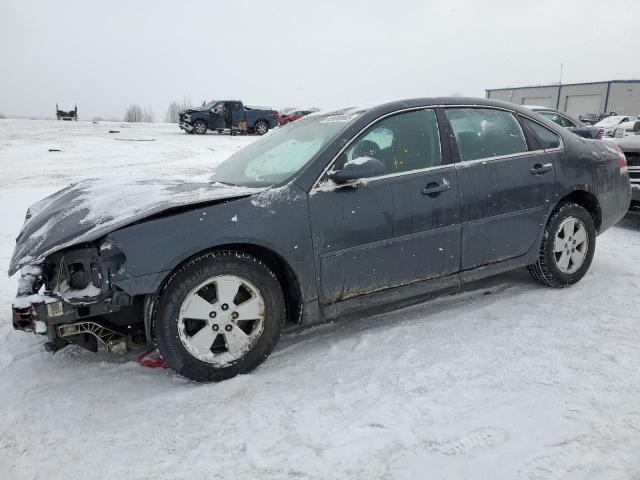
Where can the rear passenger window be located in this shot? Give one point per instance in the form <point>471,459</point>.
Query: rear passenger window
<point>546,137</point>
<point>485,133</point>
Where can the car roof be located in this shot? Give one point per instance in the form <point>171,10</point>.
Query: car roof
<point>538,107</point>
<point>394,105</point>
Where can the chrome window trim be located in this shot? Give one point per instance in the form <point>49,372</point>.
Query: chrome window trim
<point>316,188</point>
<point>335,186</point>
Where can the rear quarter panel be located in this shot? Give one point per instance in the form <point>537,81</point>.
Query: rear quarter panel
<point>593,166</point>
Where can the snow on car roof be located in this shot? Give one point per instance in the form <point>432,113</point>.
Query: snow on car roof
<point>536,107</point>
<point>611,121</point>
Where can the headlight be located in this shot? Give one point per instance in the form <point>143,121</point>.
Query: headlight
<point>187,117</point>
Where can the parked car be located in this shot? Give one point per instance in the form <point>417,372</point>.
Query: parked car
<point>572,124</point>
<point>630,145</point>
<point>590,118</point>
<point>609,124</point>
<point>293,116</point>
<point>227,115</point>
<point>333,215</point>
<point>626,128</point>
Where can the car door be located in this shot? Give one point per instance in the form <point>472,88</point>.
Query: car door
<point>217,117</point>
<point>236,113</point>
<point>395,229</point>
<point>504,185</point>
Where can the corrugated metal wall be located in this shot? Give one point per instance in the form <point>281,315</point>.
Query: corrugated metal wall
<point>576,99</point>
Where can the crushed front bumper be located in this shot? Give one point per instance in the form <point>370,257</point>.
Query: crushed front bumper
<point>63,323</point>
<point>185,126</point>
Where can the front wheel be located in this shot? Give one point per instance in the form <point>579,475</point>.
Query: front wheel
<point>261,127</point>
<point>200,127</point>
<point>567,248</point>
<point>219,315</point>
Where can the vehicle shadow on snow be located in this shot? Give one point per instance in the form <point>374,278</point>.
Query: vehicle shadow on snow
<point>481,292</point>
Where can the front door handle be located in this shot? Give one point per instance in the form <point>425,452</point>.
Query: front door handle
<point>540,169</point>
<point>433,189</point>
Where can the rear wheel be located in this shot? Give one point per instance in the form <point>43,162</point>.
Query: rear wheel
<point>219,315</point>
<point>200,127</point>
<point>261,127</point>
<point>567,247</point>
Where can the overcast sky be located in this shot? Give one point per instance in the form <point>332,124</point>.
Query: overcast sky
<point>104,55</point>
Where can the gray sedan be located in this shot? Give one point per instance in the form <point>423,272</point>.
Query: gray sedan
<point>337,214</point>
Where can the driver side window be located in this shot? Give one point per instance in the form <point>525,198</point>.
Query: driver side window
<point>402,142</point>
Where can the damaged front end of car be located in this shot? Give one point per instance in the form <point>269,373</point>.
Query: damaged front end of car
<point>71,299</point>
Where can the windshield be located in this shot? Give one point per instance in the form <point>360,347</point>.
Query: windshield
<point>209,105</point>
<point>276,157</point>
<point>610,121</point>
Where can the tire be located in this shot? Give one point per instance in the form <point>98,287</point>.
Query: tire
<point>178,338</point>
<point>567,249</point>
<point>199,127</point>
<point>261,127</point>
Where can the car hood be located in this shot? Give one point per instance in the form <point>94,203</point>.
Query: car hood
<point>88,210</point>
<point>193,110</point>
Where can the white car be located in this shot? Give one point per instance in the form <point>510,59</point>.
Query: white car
<point>626,128</point>
<point>610,123</point>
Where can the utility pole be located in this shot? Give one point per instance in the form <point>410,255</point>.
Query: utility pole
<point>559,87</point>
<point>561,67</point>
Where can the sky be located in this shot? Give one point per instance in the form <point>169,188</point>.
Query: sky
<point>106,55</point>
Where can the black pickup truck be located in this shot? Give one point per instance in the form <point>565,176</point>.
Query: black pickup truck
<point>228,115</point>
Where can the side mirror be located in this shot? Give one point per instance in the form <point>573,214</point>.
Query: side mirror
<point>362,167</point>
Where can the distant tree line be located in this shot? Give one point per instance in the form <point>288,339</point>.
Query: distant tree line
<point>135,113</point>
<point>175,108</point>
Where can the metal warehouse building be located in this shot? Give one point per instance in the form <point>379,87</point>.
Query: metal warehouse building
<point>620,96</point>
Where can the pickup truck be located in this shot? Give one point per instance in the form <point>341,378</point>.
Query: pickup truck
<point>227,115</point>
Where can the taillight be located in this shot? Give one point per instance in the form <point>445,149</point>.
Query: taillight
<point>622,159</point>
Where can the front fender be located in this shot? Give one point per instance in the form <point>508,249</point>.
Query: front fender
<point>277,220</point>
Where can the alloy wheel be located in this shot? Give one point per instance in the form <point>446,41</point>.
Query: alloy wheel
<point>221,319</point>
<point>571,245</point>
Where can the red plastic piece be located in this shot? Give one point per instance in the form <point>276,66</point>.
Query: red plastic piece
<point>151,359</point>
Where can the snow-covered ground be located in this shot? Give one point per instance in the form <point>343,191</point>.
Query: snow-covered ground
<point>508,381</point>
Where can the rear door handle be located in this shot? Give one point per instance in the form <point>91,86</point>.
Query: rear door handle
<point>433,189</point>
<point>540,169</point>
